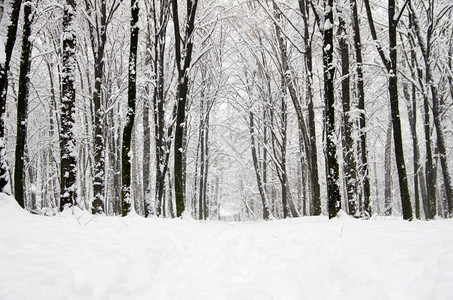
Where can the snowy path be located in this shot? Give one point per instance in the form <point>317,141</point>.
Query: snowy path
<point>307,258</point>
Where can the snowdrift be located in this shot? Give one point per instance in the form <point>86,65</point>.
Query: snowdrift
<point>78,256</point>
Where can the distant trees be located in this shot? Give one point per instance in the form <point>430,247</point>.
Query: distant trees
<point>431,86</point>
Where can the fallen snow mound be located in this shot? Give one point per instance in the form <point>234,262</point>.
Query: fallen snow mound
<point>9,205</point>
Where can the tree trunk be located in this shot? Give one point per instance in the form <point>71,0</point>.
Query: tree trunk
<point>68,165</point>
<point>388,172</point>
<point>134,186</point>
<point>311,148</point>
<point>266,211</point>
<point>162,142</point>
<point>4,68</point>
<point>147,200</point>
<point>202,145</point>
<point>98,40</point>
<point>332,169</point>
<point>183,60</point>
<point>127,134</point>
<point>22,106</point>
<point>429,82</point>
<point>391,66</point>
<point>349,164</point>
<point>363,168</point>
<point>412,115</point>
<point>283,174</point>
<point>287,84</point>
<point>442,151</point>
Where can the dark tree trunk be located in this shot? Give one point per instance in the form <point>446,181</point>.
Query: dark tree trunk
<point>412,115</point>
<point>429,205</point>
<point>98,36</point>
<point>183,60</point>
<point>131,99</point>
<point>361,106</point>
<point>442,151</point>
<point>4,68</point>
<point>349,164</point>
<point>201,199</point>
<point>332,169</point>
<point>411,99</point>
<point>68,166</point>
<point>22,106</point>
<point>205,108</point>
<point>396,121</point>
<point>311,149</point>
<point>162,141</point>
<point>391,66</point>
<point>284,175</point>
<point>388,203</point>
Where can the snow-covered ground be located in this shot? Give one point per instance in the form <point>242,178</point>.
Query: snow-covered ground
<point>81,257</point>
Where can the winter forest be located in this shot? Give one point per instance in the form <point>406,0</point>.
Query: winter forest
<point>251,109</point>
<point>226,149</point>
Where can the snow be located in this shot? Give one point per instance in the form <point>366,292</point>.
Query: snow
<point>327,24</point>
<point>77,256</point>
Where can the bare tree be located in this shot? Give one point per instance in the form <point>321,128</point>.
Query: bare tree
<point>99,16</point>
<point>426,50</point>
<point>22,105</point>
<point>68,165</point>
<point>183,55</point>
<point>390,64</point>
<point>130,116</point>
<point>349,163</point>
<point>12,20</point>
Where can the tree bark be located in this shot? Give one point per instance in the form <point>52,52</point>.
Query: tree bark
<point>412,115</point>
<point>349,163</point>
<point>162,142</point>
<point>266,211</point>
<point>68,150</point>
<point>183,61</point>
<point>22,106</point>
<point>332,169</point>
<point>147,199</point>
<point>391,66</point>
<point>363,169</point>
<point>429,82</point>
<point>4,68</point>
<point>98,37</point>
<point>388,173</point>
<point>311,148</point>
<point>130,116</point>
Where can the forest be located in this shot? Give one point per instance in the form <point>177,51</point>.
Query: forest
<point>228,109</point>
